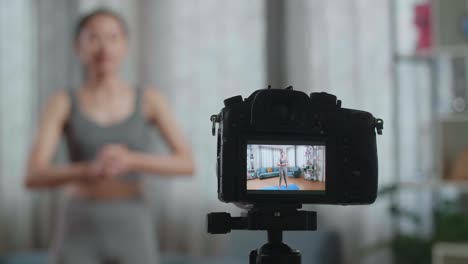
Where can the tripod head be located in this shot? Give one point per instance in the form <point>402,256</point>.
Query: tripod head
<point>273,219</point>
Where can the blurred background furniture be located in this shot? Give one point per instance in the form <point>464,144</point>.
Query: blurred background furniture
<point>265,173</point>
<point>251,174</point>
<point>450,253</point>
<point>429,71</point>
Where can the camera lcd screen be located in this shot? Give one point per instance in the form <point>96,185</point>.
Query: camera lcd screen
<point>285,168</point>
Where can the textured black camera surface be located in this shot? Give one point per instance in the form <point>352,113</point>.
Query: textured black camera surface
<point>293,117</point>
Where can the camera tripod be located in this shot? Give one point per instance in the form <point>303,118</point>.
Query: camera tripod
<point>274,220</point>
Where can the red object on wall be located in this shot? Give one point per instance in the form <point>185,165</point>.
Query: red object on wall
<point>422,19</point>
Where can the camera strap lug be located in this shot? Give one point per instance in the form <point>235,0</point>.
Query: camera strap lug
<point>214,119</point>
<point>379,125</point>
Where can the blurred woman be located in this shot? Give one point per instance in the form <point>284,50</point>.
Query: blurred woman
<point>283,169</point>
<point>105,122</point>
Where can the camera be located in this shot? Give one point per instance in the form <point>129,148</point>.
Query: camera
<point>281,148</point>
<point>284,146</point>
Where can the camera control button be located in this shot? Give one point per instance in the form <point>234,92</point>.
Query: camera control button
<point>233,100</point>
<point>323,99</point>
<point>346,149</point>
<point>356,173</point>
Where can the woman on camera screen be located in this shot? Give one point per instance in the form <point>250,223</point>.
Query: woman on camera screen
<point>283,168</point>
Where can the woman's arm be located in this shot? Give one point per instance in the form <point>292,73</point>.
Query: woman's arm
<point>180,160</point>
<point>40,172</point>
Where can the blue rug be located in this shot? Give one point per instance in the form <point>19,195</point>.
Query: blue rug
<point>291,187</point>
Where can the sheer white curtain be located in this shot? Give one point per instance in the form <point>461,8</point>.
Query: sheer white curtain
<point>276,154</point>
<point>300,156</point>
<point>291,154</point>
<point>17,102</point>
<point>256,153</point>
<point>196,52</point>
<point>266,157</point>
<point>343,47</point>
<point>320,157</point>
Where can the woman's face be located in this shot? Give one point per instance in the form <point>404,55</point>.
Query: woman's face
<point>102,45</point>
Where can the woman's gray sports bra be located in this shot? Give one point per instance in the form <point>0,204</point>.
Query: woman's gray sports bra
<point>85,137</point>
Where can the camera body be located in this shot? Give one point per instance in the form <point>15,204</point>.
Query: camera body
<point>326,152</point>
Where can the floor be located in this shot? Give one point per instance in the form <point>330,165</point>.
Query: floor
<point>303,184</point>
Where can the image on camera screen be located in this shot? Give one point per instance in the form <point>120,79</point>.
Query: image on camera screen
<point>272,167</point>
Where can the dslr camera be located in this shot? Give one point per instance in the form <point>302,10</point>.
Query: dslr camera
<point>281,146</point>
<point>279,149</point>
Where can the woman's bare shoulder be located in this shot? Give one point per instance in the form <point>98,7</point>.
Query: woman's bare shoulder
<point>154,101</point>
<point>58,104</point>
<point>153,94</point>
<point>60,97</point>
